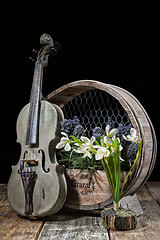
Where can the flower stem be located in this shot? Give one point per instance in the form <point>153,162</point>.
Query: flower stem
<point>116,205</point>
<point>137,156</point>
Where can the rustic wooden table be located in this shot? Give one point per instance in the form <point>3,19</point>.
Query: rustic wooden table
<point>68,225</point>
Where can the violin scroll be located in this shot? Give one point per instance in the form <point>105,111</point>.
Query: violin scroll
<point>49,48</point>
<point>46,39</point>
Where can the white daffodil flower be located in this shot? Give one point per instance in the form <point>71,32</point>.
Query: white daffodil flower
<point>112,132</point>
<point>64,142</point>
<point>132,137</point>
<point>102,152</point>
<point>120,147</point>
<point>87,143</point>
<point>83,150</point>
<point>107,141</point>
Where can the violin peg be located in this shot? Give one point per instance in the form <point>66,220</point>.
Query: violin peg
<point>34,51</point>
<point>57,46</point>
<point>53,51</point>
<point>32,59</point>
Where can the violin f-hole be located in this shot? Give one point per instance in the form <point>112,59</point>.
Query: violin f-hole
<point>43,161</point>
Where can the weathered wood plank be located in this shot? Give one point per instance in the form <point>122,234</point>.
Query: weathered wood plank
<point>154,189</point>
<point>3,192</point>
<point>17,228</point>
<point>148,223</point>
<point>67,226</point>
<point>73,227</point>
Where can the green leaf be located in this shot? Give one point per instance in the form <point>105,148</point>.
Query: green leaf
<point>108,172</point>
<point>76,140</point>
<point>117,171</point>
<point>137,156</point>
<point>97,143</point>
<point>102,142</point>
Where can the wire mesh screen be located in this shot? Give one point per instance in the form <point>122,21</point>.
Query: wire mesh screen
<point>95,108</point>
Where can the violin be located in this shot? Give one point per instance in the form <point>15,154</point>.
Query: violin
<point>37,186</point>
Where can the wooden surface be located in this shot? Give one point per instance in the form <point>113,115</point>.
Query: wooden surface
<point>154,189</point>
<point>68,225</point>
<point>148,223</point>
<point>73,227</point>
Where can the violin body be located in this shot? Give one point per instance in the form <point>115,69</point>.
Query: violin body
<point>37,186</point>
<point>50,186</point>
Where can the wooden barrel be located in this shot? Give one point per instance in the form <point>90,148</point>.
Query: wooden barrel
<point>136,114</point>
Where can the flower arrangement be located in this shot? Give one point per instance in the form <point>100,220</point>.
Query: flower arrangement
<point>106,150</point>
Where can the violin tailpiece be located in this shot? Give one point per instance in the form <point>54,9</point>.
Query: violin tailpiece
<point>28,179</point>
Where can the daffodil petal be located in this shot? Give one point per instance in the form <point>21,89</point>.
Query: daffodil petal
<point>77,150</point>
<point>107,140</point>
<point>67,147</point>
<point>98,156</point>
<point>107,129</point>
<point>65,134</point>
<point>92,139</point>
<point>120,148</point>
<point>77,144</point>
<point>121,159</point>
<point>125,137</point>
<point>130,138</point>
<point>81,149</point>
<point>113,132</point>
<point>60,145</point>
<point>103,149</point>
<point>107,153</point>
<point>96,146</point>
<point>64,140</point>
<point>85,139</point>
<point>135,139</point>
<point>133,132</point>
<point>89,155</point>
<point>118,139</point>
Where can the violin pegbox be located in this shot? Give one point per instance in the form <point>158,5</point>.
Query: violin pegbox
<point>49,48</point>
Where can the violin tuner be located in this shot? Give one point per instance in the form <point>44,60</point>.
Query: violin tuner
<point>57,46</point>
<point>53,51</point>
<point>32,59</point>
<point>33,55</point>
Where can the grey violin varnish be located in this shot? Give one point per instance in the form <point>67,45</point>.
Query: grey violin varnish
<point>37,186</point>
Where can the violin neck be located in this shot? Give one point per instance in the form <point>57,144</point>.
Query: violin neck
<point>36,95</point>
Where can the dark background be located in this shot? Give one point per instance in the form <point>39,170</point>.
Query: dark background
<point>104,44</point>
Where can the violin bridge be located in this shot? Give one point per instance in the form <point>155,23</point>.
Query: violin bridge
<point>30,161</point>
